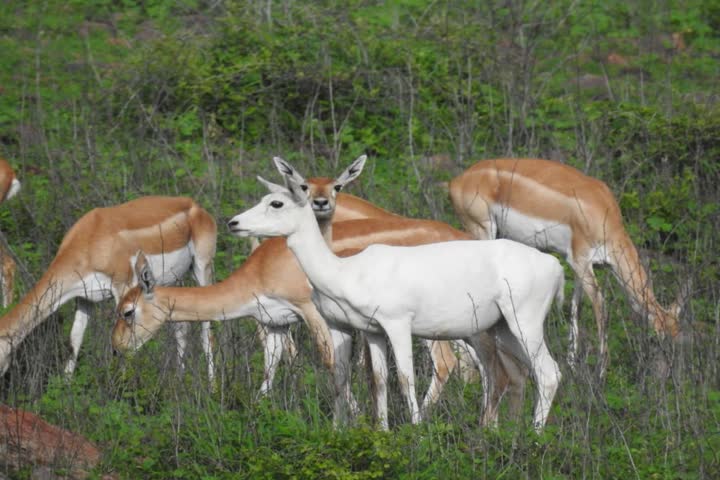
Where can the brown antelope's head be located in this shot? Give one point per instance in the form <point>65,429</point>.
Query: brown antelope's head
<point>138,316</point>
<point>321,191</point>
<point>668,320</point>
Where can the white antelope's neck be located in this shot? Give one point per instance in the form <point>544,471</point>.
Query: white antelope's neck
<point>319,263</point>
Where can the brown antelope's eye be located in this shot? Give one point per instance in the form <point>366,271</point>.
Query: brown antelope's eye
<point>128,314</point>
<point>276,204</point>
<point>304,187</point>
<point>337,188</point>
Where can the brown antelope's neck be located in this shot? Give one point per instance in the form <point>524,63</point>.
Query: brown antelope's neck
<point>234,297</point>
<point>629,270</point>
<point>326,230</point>
<point>53,289</point>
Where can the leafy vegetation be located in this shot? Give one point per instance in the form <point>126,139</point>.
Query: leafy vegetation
<point>103,101</point>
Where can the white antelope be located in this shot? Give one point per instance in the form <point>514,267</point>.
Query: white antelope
<point>501,372</point>
<point>95,259</point>
<point>443,291</point>
<point>552,206</point>
<point>9,187</point>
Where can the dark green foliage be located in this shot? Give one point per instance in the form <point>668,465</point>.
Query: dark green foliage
<point>104,101</point>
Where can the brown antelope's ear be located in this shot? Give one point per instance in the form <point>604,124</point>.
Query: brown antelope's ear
<point>350,173</point>
<point>288,171</point>
<point>145,276</point>
<point>272,187</point>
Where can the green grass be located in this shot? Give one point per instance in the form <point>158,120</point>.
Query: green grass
<point>104,101</point>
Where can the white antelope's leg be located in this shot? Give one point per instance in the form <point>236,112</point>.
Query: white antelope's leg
<point>344,399</point>
<point>77,332</point>
<point>526,324</point>
<point>377,345</point>
<point>273,350</point>
<point>401,341</point>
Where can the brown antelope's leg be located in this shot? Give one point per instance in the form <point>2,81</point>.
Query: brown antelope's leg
<point>7,281</point>
<point>516,375</point>
<point>443,362</point>
<point>320,334</point>
<point>586,277</point>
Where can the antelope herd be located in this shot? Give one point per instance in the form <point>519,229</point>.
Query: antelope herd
<point>342,265</point>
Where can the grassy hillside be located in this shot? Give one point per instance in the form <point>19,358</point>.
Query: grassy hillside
<point>104,101</point>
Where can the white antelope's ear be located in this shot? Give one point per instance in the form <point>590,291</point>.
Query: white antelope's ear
<point>350,173</point>
<point>288,171</point>
<point>145,276</point>
<point>296,191</point>
<point>272,187</point>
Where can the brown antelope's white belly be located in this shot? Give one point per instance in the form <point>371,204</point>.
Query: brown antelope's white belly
<point>170,267</point>
<point>536,232</point>
<point>269,311</point>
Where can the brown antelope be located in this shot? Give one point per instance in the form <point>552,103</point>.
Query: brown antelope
<point>95,260</point>
<point>445,290</point>
<point>9,186</point>
<point>555,207</point>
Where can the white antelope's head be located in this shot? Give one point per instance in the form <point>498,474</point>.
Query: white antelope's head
<point>138,316</point>
<point>321,191</point>
<point>279,214</point>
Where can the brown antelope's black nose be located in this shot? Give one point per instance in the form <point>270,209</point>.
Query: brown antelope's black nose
<point>321,202</point>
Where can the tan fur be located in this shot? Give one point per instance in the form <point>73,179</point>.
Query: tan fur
<point>103,242</point>
<point>7,263</point>
<point>559,193</point>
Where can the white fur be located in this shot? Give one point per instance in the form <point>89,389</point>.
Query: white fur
<point>14,189</point>
<point>444,290</point>
<point>532,231</point>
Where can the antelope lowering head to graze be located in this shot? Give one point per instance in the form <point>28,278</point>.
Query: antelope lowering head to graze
<point>555,207</point>
<point>95,259</point>
<point>432,291</point>
<point>9,187</point>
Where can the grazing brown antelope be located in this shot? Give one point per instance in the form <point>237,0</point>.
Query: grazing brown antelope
<point>555,207</point>
<point>9,187</point>
<point>95,260</point>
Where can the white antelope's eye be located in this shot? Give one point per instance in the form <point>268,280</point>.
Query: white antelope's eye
<point>304,187</point>
<point>276,204</point>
